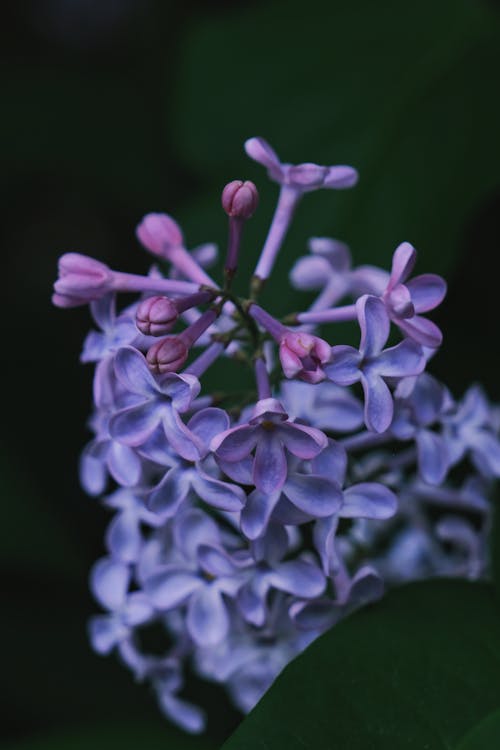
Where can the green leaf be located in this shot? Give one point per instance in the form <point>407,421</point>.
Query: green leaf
<point>404,92</point>
<point>484,736</point>
<point>417,670</point>
<point>114,737</point>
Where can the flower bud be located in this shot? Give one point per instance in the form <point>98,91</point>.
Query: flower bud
<point>302,356</point>
<point>240,199</point>
<point>156,316</point>
<point>81,280</point>
<point>158,233</point>
<point>167,355</point>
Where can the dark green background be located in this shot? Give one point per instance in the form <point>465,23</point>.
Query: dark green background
<point>108,115</point>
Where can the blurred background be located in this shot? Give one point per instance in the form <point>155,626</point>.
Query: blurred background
<point>114,109</point>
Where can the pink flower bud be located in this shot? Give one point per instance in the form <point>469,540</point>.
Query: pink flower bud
<point>159,233</point>
<point>302,355</point>
<point>156,316</point>
<point>81,280</point>
<point>240,199</point>
<point>167,355</point>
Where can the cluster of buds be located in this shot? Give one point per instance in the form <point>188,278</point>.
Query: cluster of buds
<point>245,530</point>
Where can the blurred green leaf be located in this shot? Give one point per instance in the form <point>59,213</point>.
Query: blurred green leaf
<point>405,92</point>
<point>417,670</point>
<point>484,736</point>
<point>114,737</point>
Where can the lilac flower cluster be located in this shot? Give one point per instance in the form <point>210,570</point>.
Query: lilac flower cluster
<point>244,533</point>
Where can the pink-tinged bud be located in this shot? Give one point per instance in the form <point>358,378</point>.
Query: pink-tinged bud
<point>156,316</point>
<point>167,355</point>
<point>81,280</point>
<point>240,199</point>
<point>159,233</point>
<point>302,356</point>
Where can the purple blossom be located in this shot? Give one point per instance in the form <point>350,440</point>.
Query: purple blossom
<point>268,433</point>
<point>372,364</point>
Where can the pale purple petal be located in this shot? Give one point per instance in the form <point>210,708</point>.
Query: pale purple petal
<point>310,273</point>
<point>428,399</point>
<point>183,441</point>
<point>433,457</point>
<point>137,610</point>
<point>238,471</point>
<point>336,252</point>
<point>406,358</point>
<point>105,632</point>
<point>171,586</point>
<point>378,403</point>
<point>193,529</point>
<point>366,586</point>
<point>215,562</point>
<point>315,495</point>
<point>170,492</point>
<point>133,372</point>
<point>186,715</point>
<point>374,323</point>
<point>403,261</point>
<point>400,303</point>
<point>259,150</point>
<point>134,425</point>
<point>124,464</point>
<point>344,367</point>
<point>324,541</point>
<point>331,463</point>
<point>298,577</point>
<point>218,494</point>
<point>257,512</point>
<point>368,500</point>
<point>181,389</point>
<point>270,467</point>
<point>301,440</point>
<point>92,468</point>
<point>207,618</point>
<point>123,537</point>
<point>421,330</point>
<point>109,581</point>
<point>252,604</point>
<point>427,291</point>
<point>236,443</point>
<point>208,423</point>
<point>486,452</point>
<point>305,176</point>
<point>340,177</point>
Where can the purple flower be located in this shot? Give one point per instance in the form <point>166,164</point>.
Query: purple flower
<point>268,433</point>
<point>115,331</point>
<point>161,400</point>
<point>301,177</point>
<point>371,364</point>
<point>404,301</point>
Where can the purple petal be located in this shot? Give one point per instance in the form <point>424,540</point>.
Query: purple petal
<point>137,610</point>
<point>486,452</point>
<point>181,389</point>
<point>216,562</point>
<point>427,400</point>
<point>340,177</point>
<point>252,604</point>
<point>183,441</point>
<point>298,577</point>
<point>368,500</point>
<point>338,409</point>
<point>171,586</point>
<point>218,494</point>
<point>324,541</point>
<point>433,458</point>
<point>336,252</point>
<point>257,511</point>
<point>318,615</point>
<point>208,423</point>
<point>236,443</point>
<point>378,403</point>
<point>259,150</point>
<point>374,323</point>
<point>399,302</point>
<point>134,425</point>
<point>238,471</point>
<point>421,330</point>
<point>124,464</point>
<point>301,440</point>
<point>207,618</point>
<point>403,261</point>
<point>132,371</point>
<point>270,467</point>
<point>171,492</point>
<point>92,468</point>
<point>180,712</point>
<point>310,273</point>
<point>315,495</point>
<point>109,581</point>
<point>427,291</point>
<point>195,528</point>
<point>344,367</point>
<point>105,632</point>
<point>366,586</point>
<point>331,463</point>
<point>123,537</point>
<point>406,358</point>
<point>306,176</point>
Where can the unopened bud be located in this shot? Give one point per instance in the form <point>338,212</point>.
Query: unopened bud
<point>159,233</point>
<point>156,316</point>
<point>167,355</point>
<point>240,199</point>
<point>81,280</point>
